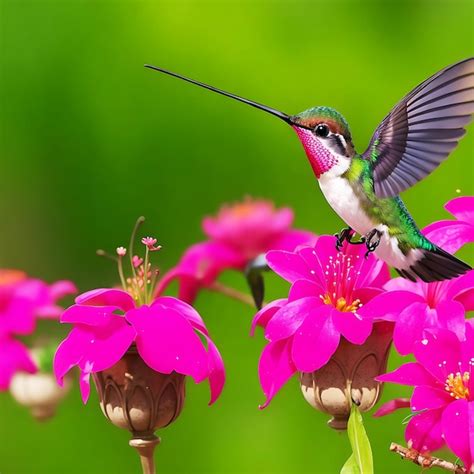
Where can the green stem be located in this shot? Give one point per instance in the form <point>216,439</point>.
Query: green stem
<point>231,293</point>
<point>145,276</point>
<point>120,270</point>
<point>134,284</point>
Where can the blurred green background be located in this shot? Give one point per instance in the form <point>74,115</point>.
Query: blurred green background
<point>91,140</point>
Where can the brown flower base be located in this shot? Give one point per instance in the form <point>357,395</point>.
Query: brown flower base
<point>349,377</point>
<point>135,397</point>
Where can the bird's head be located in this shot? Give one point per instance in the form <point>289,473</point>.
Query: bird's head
<point>326,138</point>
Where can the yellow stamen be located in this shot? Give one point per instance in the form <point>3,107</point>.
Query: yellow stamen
<point>243,210</point>
<point>341,304</point>
<point>456,385</point>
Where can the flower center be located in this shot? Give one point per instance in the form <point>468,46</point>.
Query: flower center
<point>342,274</point>
<point>9,277</point>
<point>143,277</point>
<point>457,385</point>
<point>242,210</point>
<point>341,304</point>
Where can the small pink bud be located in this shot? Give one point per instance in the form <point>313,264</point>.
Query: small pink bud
<point>121,251</point>
<point>150,242</point>
<point>137,261</point>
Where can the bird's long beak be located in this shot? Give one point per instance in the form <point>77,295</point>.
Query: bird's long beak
<point>286,118</point>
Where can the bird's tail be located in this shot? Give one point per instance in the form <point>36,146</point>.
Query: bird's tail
<point>435,265</point>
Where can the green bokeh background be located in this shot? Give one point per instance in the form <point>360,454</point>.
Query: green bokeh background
<point>91,140</point>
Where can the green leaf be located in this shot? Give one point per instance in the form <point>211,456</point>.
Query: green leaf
<point>361,459</point>
<point>351,466</point>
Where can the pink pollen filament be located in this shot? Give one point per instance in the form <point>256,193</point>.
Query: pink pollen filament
<point>137,261</point>
<point>341,278</point>
<point>150,243</point>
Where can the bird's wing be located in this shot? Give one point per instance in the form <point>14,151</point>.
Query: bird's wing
<point>422,129</point>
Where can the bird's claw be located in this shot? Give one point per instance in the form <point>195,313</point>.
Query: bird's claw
<point>346,235</point>
<point>343,236</point>
<point>372,241</point>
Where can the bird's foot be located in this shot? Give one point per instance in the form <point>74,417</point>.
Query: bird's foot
<point>346,235</point>
<point>372,241</point>
<point>343,236</point>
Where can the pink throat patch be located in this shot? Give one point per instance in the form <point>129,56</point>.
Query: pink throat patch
<point>320,158</point>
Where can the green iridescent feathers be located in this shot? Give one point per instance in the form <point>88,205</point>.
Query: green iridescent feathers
<point>315,115</point>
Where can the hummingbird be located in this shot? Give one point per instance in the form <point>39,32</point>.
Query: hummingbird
<point>363,188</point>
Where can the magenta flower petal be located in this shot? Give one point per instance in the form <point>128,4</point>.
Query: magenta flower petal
<point>458,430</point>
<point>402,284</point>
<point>289,318</point>
<point>167,341</point>
<point>391,406</point>
<point>390,304</point>
<point>216,371</point>
<point>367,293</point>
<point>409,327</point>
<point>107,297</point>
<point>303,288</point>
<point>251,227</point>
<point>317,270</point>
<point>315,341</point>
<point>450,235</point>
<point>379,275</point>
<point>199,267</point>
<point>467,349</point>
<point>14,357</point>
<point>292,239</point>
<point>84,383</point>
<point>69,353</point>
<point>288,265</point>
<point>275,368</point>
<point>88,315</point>
<point>352,326</point>
<point>93,348</point>
<point>462,208</point>
<point>61,288</point>
<point>325,249</point>
<point>462,290</point>
<point>439,353</point>
<point>107,344</point>
<point>19,318</point>
<point>429,398</point>
<point>189,286</point>
<point>411,373</point>
<point>266,313</point>
<point>451,316</point>
<point>424,431</point>
<point>185,309</point>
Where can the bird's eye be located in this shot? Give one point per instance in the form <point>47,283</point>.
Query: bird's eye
<point>322,130</point>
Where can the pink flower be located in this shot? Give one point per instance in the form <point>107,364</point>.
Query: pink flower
<point>237,235</point>
<point>23,300</point>
<point>443,398</point>
<point>150,242</point>
<point>331,295</point>
<point>14,357</point>
<point>418,306</point>
<point>167,334</point>
<point>452,235</point>
<point>121,251</point>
